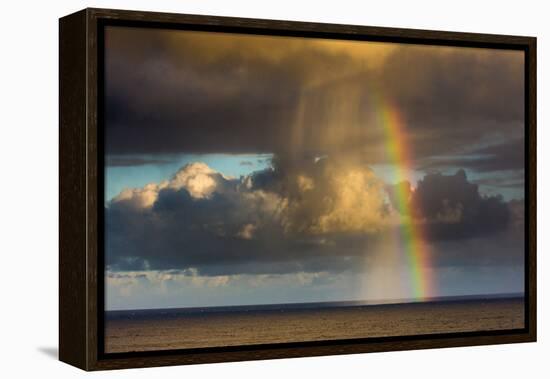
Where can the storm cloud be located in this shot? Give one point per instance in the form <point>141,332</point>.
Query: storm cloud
<point>455,209</point>
<point>219,92</point>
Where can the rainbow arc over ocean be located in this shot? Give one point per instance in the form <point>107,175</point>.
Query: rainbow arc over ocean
<point>412,236</point>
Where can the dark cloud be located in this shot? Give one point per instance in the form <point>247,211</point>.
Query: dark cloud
<point>503,248</point>
<point>505,156</point>
<point>199,92</point>
<point>457,96</point>
<point>184,96</point>
<point>454,209</point>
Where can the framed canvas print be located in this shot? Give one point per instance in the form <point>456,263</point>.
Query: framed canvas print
<point>236,189</point>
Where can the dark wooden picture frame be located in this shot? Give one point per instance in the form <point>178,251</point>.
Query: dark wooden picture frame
<point>81,160</point>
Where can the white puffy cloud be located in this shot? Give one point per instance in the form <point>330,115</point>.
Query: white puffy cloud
<point>198,179</point>
<point>143,197</point>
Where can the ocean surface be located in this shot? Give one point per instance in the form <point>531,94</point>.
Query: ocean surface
<point>181,328</point>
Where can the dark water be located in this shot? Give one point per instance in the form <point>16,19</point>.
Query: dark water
<point>146,330</point>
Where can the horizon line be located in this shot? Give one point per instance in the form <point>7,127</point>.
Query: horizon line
<point>506,295</point>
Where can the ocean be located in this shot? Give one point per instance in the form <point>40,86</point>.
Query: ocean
<point>181,328</point>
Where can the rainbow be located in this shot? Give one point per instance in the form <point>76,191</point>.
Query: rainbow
<point>411,233</point>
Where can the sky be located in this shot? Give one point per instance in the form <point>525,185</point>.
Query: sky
<point>249,169</point>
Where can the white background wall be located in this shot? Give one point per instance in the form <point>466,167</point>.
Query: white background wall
<point>29,184</point>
